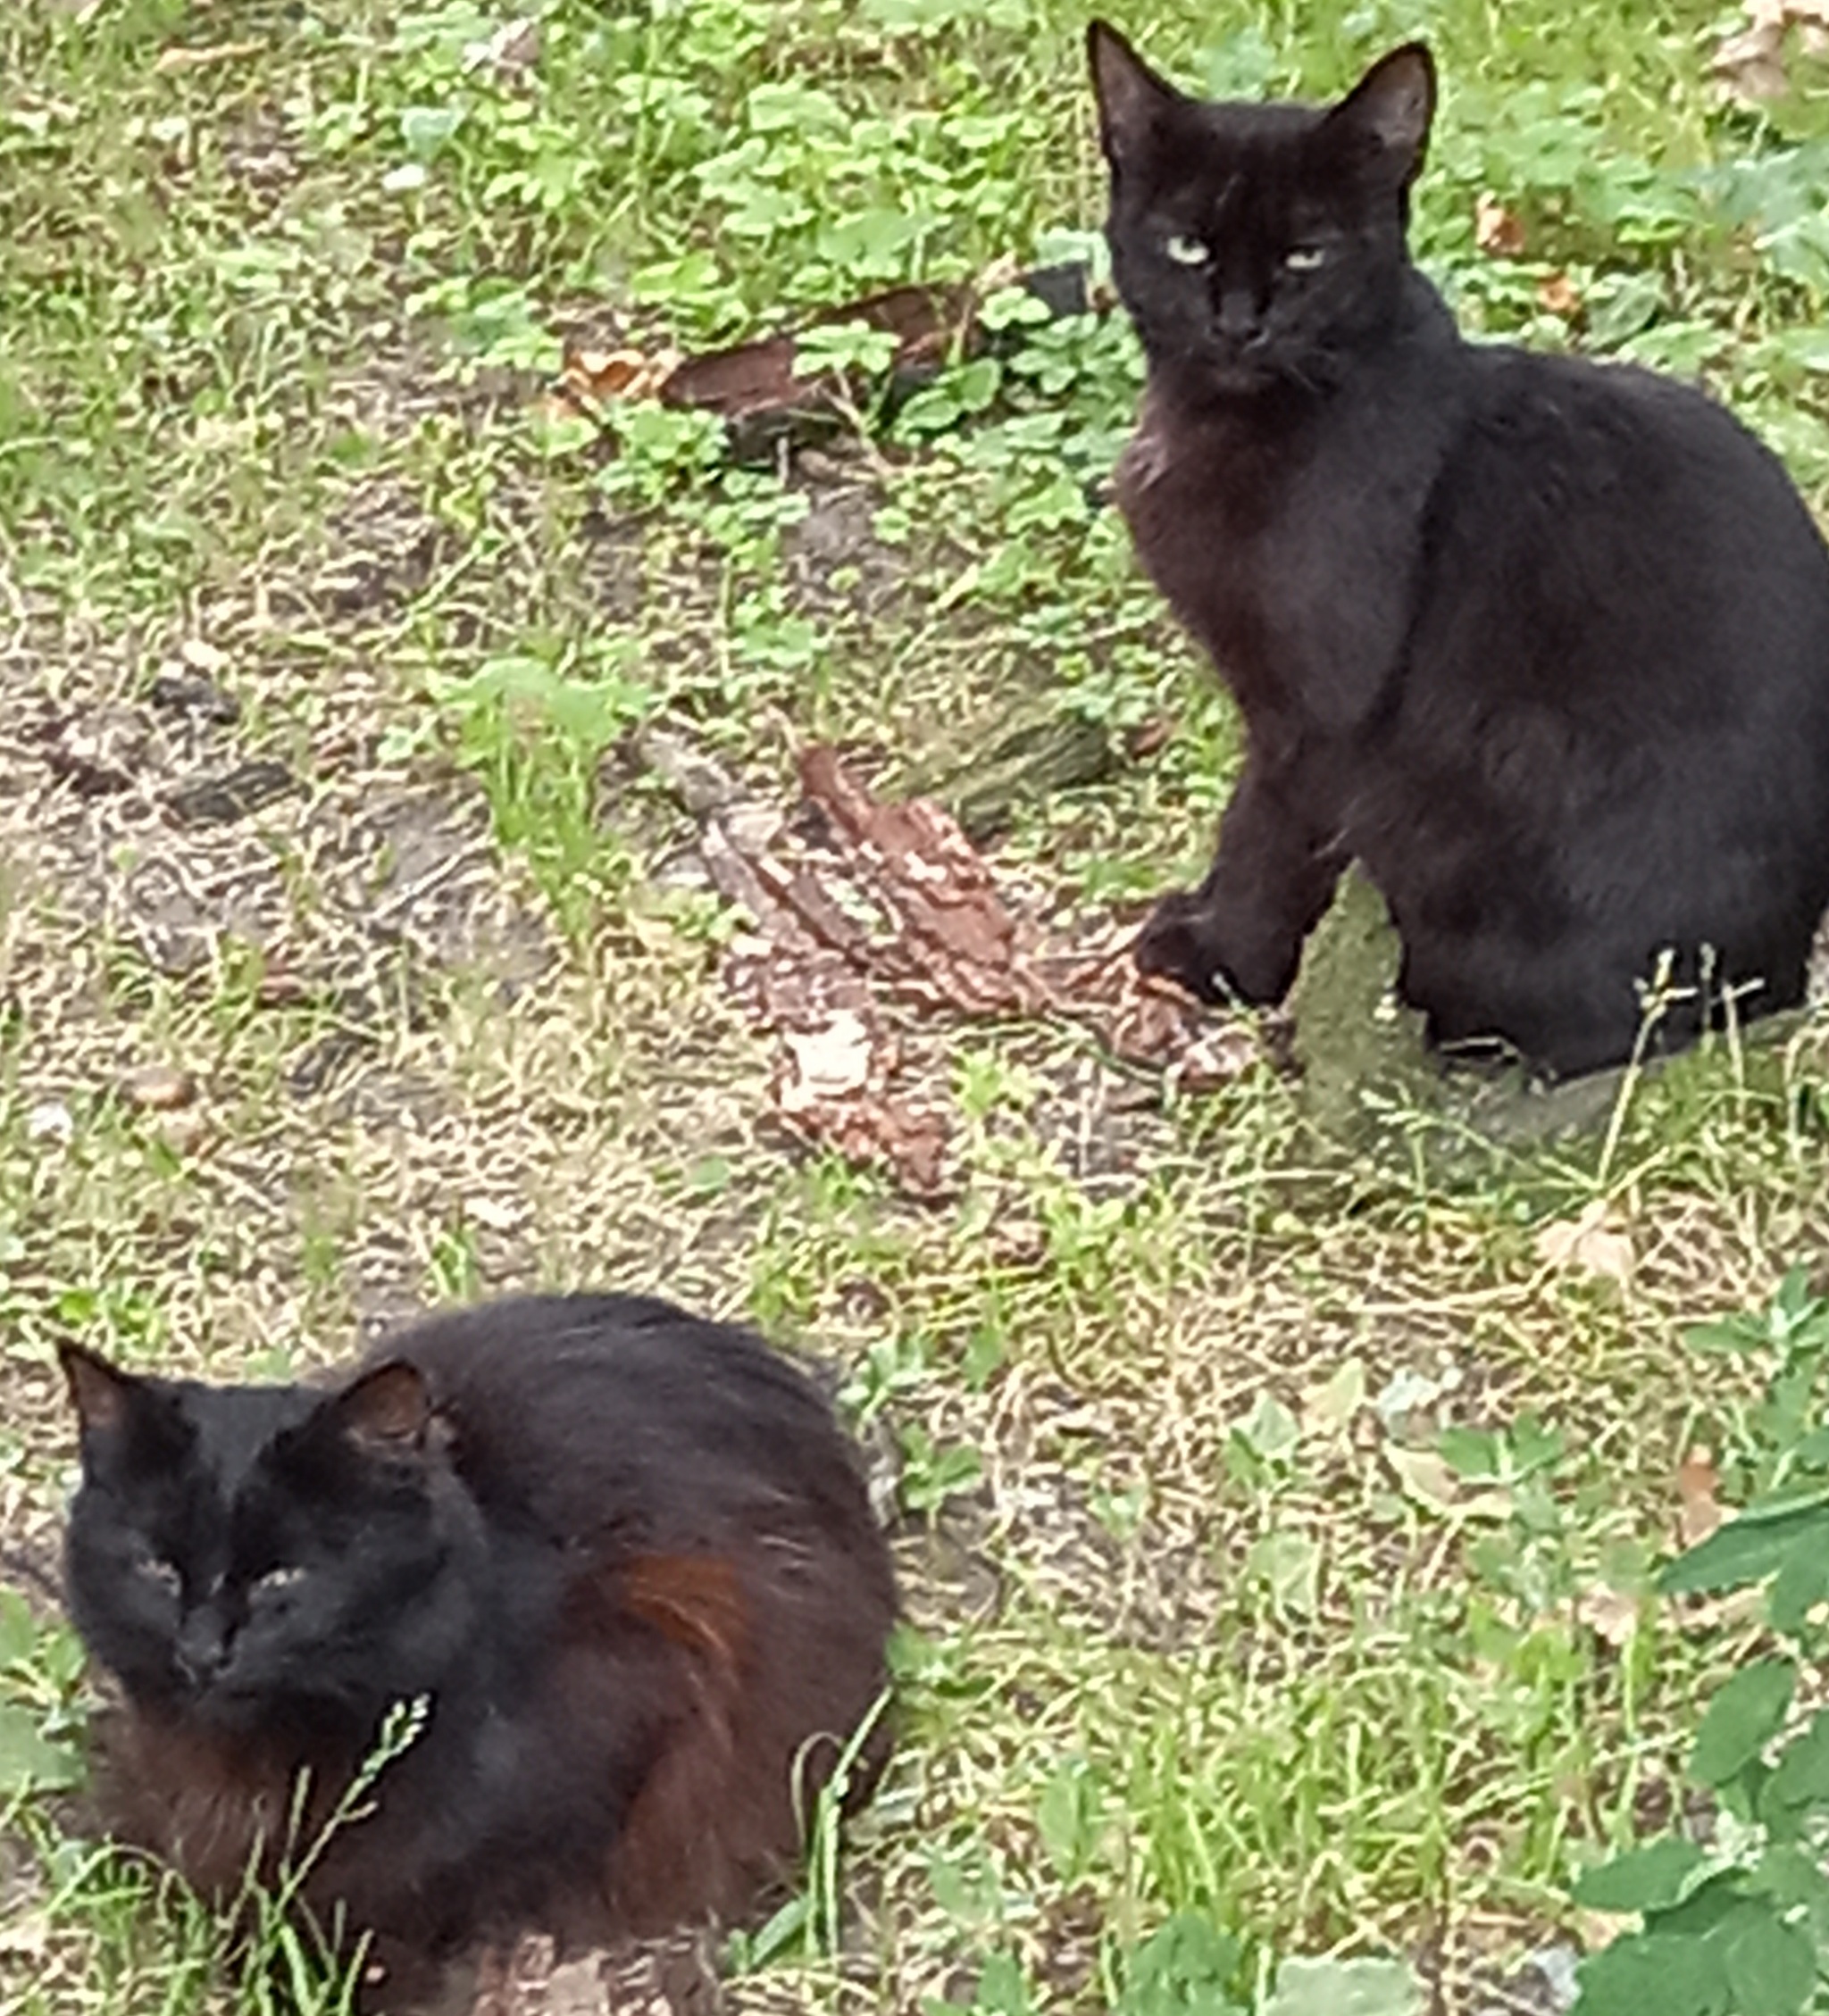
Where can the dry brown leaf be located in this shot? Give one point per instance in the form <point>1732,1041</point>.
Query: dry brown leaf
<point>179,58</point>
<point>513,46</point>
<point>1700,1511</point>
<point>1750,63</point>
<point>1499,232</point>
<point>1424,1477</point>
<point>1589,1242</point>
<point>908,1140</point>
<point>1611,1617</point>
<point>1330,1405</point>
<point>1558,295</point>
<point>589,377</point>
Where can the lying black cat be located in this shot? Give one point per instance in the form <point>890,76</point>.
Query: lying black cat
<point>625,1553</point>
<point>1543,643</point>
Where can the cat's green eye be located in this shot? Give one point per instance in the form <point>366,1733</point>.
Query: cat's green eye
<point>1305,258</point>
<point>280,1578</point>
<point>1186,251</point>
<point>161,1574</point>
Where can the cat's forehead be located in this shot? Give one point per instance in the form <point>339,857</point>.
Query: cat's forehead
<point>1239,159</point>
<point>237,1428</point>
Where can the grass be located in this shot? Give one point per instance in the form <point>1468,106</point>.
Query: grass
<point>1203,1618</point>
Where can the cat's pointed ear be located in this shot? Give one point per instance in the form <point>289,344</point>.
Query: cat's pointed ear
<point>101,1393</point>
<point>1131,97</point>
<point>387,1410</point>
<point>1387,112</point>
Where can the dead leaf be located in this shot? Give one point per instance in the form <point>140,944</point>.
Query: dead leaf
<point>1558,295</point>
<point>513,46</point>
<point>757,389</point>
<point>590,379</point>
<point>1589,1242</point>
<point>1330,1405</point>
<point>181,58</point>
<point>1424,1477</point>
<point>830,1062</point>
<point>159,1087</point>
<point>1700,1511</point>
<point>1498,231</point>
<point>1612,1616</point>
<point>908,1140</point>
<point>1750,63</point>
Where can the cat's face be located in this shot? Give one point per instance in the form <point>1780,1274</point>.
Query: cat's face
<point>1256,246</point>
<point>239,1554</point>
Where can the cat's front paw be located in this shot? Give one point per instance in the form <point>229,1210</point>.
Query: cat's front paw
<point>1178,943</point>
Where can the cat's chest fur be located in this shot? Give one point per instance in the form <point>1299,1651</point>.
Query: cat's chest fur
<point>1288,541</point>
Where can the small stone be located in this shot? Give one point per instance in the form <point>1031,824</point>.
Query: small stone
<point>49,1121</point>
<point>185,692</point>
<point>160,1089</point>
<point>184,1132</point>
<point>202,657</point>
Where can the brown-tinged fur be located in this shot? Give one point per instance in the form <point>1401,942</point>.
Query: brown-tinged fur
<point>626,1556</point>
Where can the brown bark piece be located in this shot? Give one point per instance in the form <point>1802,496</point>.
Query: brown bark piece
<point>880,909</point>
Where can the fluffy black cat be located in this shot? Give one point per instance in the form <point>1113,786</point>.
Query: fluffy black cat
<point>1543,643</point>
<point>626,1553</point>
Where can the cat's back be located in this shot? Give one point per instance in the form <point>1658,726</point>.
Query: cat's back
<point>591,1411</point>
<point>1616,537</point>
<point>1654,457</point>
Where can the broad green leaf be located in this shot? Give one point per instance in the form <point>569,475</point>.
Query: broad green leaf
<point>1534,1446</point>
<point>1812,1452</point>
<point>1715,1898</point>
<point>1474,1453</point>
<point>1182,1968</point>
<point>1792,1303</point>
<point>1800,1584</point>
<point>1003,1989</point>
<point>790,108</point>
<point>1344,1988</point>
<point>1270,1431</point>
<point>1771,1969</point>
<point>1649,1878</point>
<point>1736,1333</point>
<point>1745,1550</point>
<point>1654,1974</point>
<point>1742,1719</point>
<point>1799,1779</point>
<point>1290,1562</point>
<point>28,1762</point>
<point>1791,1876</point>
<point>1069,1817</point>
<point>425,129</point>
<point>18,1634</point>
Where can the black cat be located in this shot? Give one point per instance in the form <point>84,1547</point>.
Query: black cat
<point>1543,643</point>
<point>624,1554</point>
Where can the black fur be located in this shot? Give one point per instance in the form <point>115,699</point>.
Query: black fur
<point>626,1553</point>
<point>1543,643</point>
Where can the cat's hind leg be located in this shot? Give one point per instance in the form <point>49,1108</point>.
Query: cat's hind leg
<point>1239,935</point>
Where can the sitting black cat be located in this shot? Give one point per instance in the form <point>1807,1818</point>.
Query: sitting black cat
<point>624,1554</point>
<point>1543,643</point>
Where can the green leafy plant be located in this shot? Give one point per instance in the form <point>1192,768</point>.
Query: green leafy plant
<point>40,1668</point>
<point>1736,1923</point>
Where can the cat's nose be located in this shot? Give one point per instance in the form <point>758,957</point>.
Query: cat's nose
<point>202,1646</point>
<point>1238,314</point>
